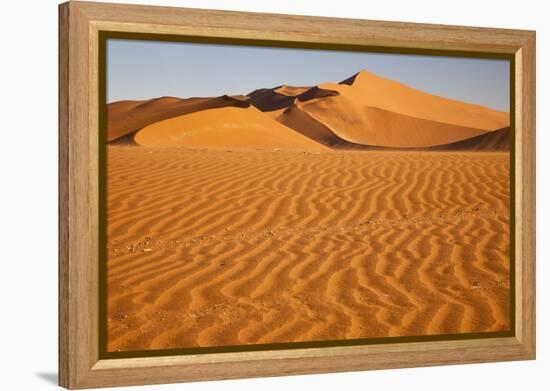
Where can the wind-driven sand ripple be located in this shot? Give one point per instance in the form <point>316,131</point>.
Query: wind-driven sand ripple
<point>209,248</point>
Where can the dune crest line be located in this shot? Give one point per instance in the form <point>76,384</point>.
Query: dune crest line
<point>364,111</point>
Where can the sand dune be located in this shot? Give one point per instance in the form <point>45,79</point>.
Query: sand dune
<point>209,248</point>
<point>403,131</point>
<point>369,110</point>
<point>498,140</point>
<point>224,128</point>
<point>269,99</point>
<point>372,128</point>
<point>297,119</point>
<point>126,117</point>
<point>290,90</point>
<point>315,93</point>
<point>371,90</point>
<point>379,112</point>
<point>364,111</point>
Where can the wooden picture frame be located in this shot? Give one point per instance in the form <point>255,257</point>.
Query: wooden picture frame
<point>80,24</point>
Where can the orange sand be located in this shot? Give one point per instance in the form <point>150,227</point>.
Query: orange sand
<point>210,248</point>
<point>379,112</point>
<point>364,111</point>
<point>127,117</point>
<point>225,128</point>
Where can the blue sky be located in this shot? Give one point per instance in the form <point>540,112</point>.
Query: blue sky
<point>149,69</point>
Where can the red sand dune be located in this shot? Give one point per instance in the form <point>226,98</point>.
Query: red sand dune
<point>290,90</point>
<point>270,99</point>
<point>364,111</point>
<point>295,118</point>
<point>224,128</point>
<point>126,117</point>
<point>380,112</point>
<point>375,91</point>
<point>299,120</point>
<point>498,140</point>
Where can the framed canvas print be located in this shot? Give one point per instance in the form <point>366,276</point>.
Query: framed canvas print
<point>251,195</point>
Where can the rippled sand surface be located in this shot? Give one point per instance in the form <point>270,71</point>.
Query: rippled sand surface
<point>209,248</point>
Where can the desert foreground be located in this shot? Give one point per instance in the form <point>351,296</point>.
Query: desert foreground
<point>210,248</point>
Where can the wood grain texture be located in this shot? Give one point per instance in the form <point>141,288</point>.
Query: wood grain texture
<point>64,354</point>
<point>78,259</point>
<point>80,23</point>
<point>525,195</point>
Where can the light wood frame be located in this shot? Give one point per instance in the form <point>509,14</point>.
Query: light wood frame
<point>79,26</point>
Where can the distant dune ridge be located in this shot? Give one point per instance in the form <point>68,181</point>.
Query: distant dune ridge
<point>364,111</point>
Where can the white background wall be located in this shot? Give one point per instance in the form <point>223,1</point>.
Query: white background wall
<point>28,194</point>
